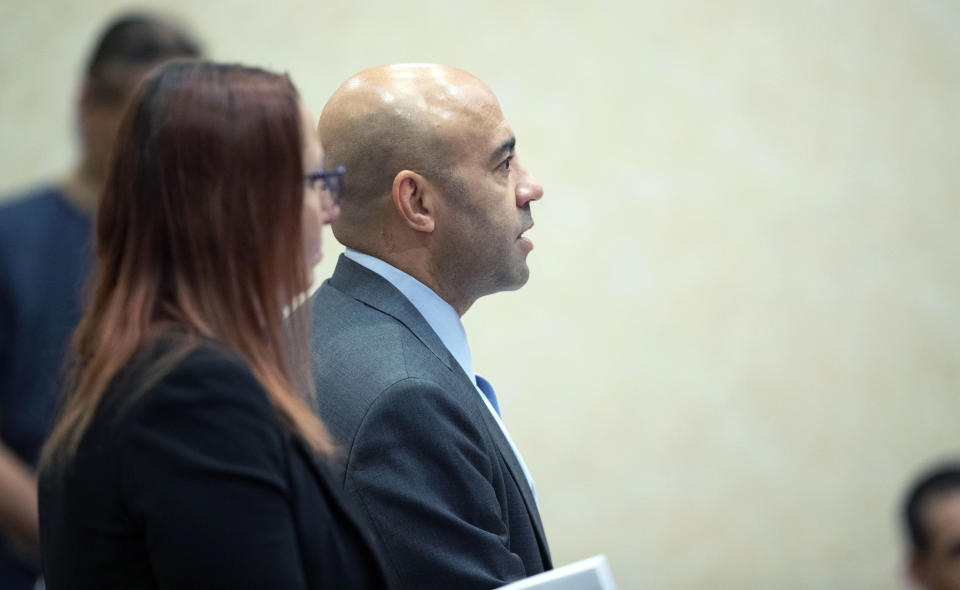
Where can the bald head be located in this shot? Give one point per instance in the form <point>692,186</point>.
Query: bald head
<point>392,118</point>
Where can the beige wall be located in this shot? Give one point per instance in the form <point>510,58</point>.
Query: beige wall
<point>742,331</point>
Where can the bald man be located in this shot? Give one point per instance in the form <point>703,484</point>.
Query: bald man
<point>433,213</point>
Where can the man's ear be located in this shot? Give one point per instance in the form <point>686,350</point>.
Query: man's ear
<point>414,198</point>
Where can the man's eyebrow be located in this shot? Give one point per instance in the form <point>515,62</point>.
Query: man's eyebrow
<point>503,149</point>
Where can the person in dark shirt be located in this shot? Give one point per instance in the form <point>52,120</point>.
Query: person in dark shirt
<point>931,518</point>
<point>45,256</point>
<point>186,453</point>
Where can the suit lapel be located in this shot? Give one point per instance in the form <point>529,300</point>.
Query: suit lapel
<point>516,471</point>
<point>371,289</point>
<point>481,411</point>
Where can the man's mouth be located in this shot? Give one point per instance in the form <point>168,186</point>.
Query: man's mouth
<point>528,228</point>
<point>524,241</point>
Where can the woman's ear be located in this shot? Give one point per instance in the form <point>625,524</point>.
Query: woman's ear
<point>414,199</point>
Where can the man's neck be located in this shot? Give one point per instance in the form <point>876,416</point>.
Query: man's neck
<point>449,293</point>
<point>415,265</point>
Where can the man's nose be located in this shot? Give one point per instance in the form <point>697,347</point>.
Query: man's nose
<point>528,189</point>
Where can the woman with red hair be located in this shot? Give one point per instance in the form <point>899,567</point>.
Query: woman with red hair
<point>185,453</point>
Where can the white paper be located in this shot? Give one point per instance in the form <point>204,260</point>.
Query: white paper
<point>589,574</point>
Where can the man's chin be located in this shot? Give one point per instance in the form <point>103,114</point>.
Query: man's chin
<point>517,279</point>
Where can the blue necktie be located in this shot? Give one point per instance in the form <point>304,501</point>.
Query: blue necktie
<point>487,390</point>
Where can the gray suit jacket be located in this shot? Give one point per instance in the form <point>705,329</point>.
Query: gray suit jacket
<point>426,463</point>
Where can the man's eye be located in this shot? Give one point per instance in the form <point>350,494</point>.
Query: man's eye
<point>505,165</point>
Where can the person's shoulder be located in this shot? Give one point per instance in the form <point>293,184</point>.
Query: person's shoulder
<point>27,217</point>
<point>202,376</point>
<point>205,357</point>
<point>338,314</point>
<point>29,204</point>
<point>380,345</point>
<point>211,364</point>
<point>343,325</point>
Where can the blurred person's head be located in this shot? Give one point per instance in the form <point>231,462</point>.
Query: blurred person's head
<point>931,514</point>
<point>128,49</point>
<point>433,185</point>
<point>207,229</point>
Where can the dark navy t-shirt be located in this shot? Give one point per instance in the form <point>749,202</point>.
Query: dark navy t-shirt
<point>45,255</point>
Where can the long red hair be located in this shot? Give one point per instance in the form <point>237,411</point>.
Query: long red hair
<point>199,232</point>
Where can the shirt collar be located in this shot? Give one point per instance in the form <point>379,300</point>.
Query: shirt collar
<point>439,314</point>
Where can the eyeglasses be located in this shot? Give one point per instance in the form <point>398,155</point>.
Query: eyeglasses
<point>331,181</point>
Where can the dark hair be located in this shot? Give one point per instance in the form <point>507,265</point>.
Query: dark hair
<point>135,41</point>
<point>941,480</point>
<point>199,232</point>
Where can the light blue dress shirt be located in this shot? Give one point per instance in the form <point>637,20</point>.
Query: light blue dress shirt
<point>443,319</point>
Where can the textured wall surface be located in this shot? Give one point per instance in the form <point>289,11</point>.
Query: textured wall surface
<point>741,336</point>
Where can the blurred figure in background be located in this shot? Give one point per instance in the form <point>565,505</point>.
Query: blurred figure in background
<point>931,515</point>
<point>45,255</point>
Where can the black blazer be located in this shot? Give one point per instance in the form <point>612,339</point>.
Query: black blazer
<point>195,484</point>
<point>424,458</point>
